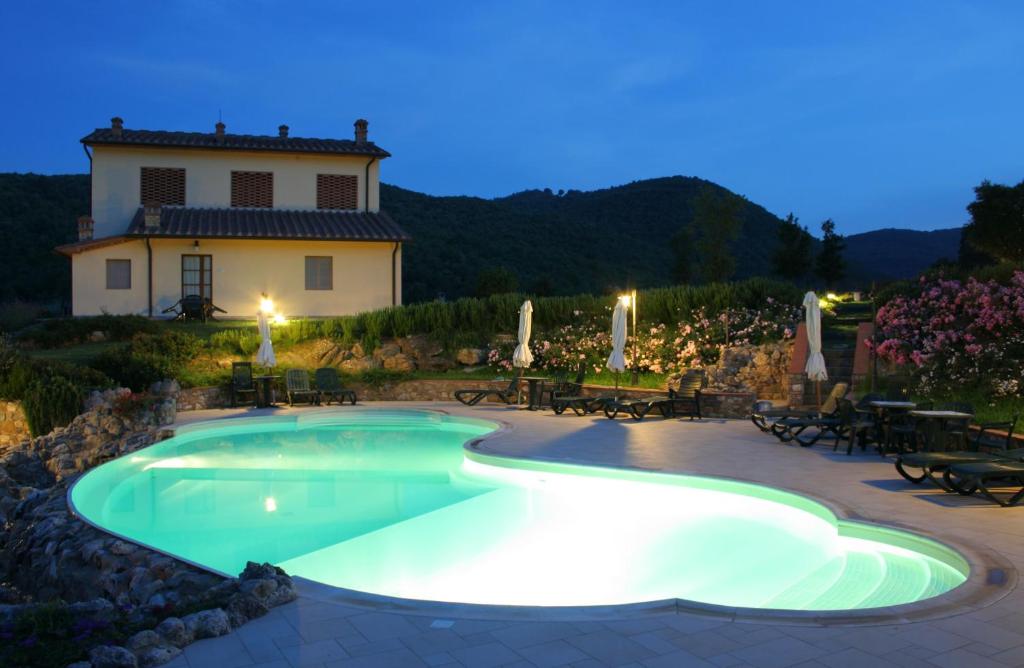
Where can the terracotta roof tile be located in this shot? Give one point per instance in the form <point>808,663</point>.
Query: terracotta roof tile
<point>239,223</point>
<point>232,142</point>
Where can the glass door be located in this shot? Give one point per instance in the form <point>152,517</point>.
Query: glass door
<point>197,276</point>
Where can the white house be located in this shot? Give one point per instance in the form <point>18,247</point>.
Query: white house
<point>233,217</point>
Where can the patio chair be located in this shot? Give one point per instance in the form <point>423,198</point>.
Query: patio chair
<point>986,448</point>
<point>194,307</point>
<point>956,429</point>
<point>563,387</point>
<point>853,426</point>
<point>684,394</point>
<point>328,383</point>
<point>902,432</point>
<point>297,386</point>
<point>242,384</point>
<point>475,396</point>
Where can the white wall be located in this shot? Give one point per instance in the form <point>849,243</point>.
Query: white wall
<point>116,170</point>
<point>242,270</point>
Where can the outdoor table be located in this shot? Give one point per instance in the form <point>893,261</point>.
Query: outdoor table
<point>264,396</point>
<point>936,424</point>
<point>535,391</point>
<point>885,409</point>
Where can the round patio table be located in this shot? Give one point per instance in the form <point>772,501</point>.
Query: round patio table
<point>535,391</point>
<point>885,410</point>
<point>935,428</point>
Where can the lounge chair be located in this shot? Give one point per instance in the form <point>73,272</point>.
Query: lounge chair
<point>969,478</point>
<point>328,383</point>
<point>475,396</point>
<point>297,385</point>
<point>765,418</point>
<point>934,465</point>
<point>242,384</point>
<point>686,399</point>
<point>788,429</point>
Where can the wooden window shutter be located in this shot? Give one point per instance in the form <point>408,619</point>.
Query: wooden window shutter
<point>337,191</point>
<point>252,189</point>
<point>162,186</point>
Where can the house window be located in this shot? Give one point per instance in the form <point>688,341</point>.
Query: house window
<point>252,189</point>
<point>162,185</point>
<point>319,273</point>
<point>197,275</point>
<point>119,274</point>
<point>337,191</point>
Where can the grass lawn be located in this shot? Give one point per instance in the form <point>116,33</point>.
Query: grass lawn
<point>81,353</point>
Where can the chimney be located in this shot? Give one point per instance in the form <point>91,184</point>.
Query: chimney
<point>151,217</point>
<point>282,131</point>
<point>85,227</point>
<point>361,126</point>
<point>220,132</point>
<point>116,126</point>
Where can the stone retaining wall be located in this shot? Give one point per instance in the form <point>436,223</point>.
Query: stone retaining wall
<point>13,424</point>
<point>200,398</point>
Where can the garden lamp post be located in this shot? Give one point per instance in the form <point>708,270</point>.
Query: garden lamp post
<point>630,301</point>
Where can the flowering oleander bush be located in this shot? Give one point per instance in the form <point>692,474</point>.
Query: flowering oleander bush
<point>958,334</point>
<point>697,340</point>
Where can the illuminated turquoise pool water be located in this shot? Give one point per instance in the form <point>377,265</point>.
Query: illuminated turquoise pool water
<point>389,502</point>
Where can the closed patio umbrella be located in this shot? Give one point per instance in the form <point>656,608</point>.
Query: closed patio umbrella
<point>522,358</point>
<point>617,360</point>
<point>265,355</point>
<point>815,367</point>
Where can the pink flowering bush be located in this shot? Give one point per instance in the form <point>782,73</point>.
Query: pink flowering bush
<point>958,334</point>
<point>661,348</point>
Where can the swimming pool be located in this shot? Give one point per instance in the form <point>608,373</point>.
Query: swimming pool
<point>389,502</point>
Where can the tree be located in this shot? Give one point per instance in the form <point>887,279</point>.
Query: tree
<point>997,221</point>
<point>682,255</point>
<point>792,258</point>
<point>830,266</point>
<point>495,281</point>
<point>717,224</point>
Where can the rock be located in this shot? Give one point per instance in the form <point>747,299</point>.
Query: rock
<point>386,350</point>
<point>357,350</point>
<point>174,631</point>
<point>80,664</point>
<point>244,607</point>
<point>359,364</point>
<point>399,362</point>
<point>157,656</point>
<point>97,336</point>
<point>112,656</point>
<point>143,640</point>
<point>208,623</point>
<point>121,548</point>
<point>471,356</point>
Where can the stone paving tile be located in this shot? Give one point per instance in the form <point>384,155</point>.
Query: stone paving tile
<point>439,659</point>
<point>778,653</point>
<point>278,663</point>
<point>707,644</point>
<point>177,662</point>
<point>553,653</point>
<point>853,658</point>
<point>485,656</point>
<point>632,626</point>
<point>358,646</point>
<point>677,659</point>
<point>905,660</point>
<point>961,658</point>
<point>1011,657</point>
<point>727,661</point>
<point>988,634</point>
<point>396,658</point>
<point>468,627</point>
<point>930,637</point>
<point>313,653</point>
<point>655,641</point>
<point>611,648</point>
<point>323,629</point>
<point>380,625</point>
<point>534,633</point>
<point>435,641</point>
<point>877,641</point>
<point>223,652</point>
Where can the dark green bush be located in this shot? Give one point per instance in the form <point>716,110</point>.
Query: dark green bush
<point>61,332</point>
<point>149,358</point>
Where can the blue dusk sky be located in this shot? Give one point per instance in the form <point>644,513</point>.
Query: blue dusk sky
<point>880,114</point>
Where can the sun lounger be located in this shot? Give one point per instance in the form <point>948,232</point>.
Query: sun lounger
<point>980,477</point>
<point>933,465</point>
<point>765,419</point>
<point>475,396</point>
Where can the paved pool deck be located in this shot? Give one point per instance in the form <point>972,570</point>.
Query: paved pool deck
<point>320,630</point>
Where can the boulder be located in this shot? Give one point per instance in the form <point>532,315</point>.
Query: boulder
<point>471,356</point>
<point>399,362</point>
<point>208,623</point>
<point>112,656</point>
<point>359,364</point>
<point>386,350</point>
<point>157,656</point>
<point>174,632</point>
<point>97,336</point>
<point>143,640</point>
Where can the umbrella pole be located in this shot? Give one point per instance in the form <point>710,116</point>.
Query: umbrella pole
<point>519,388</point>
<point>817,392</point>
